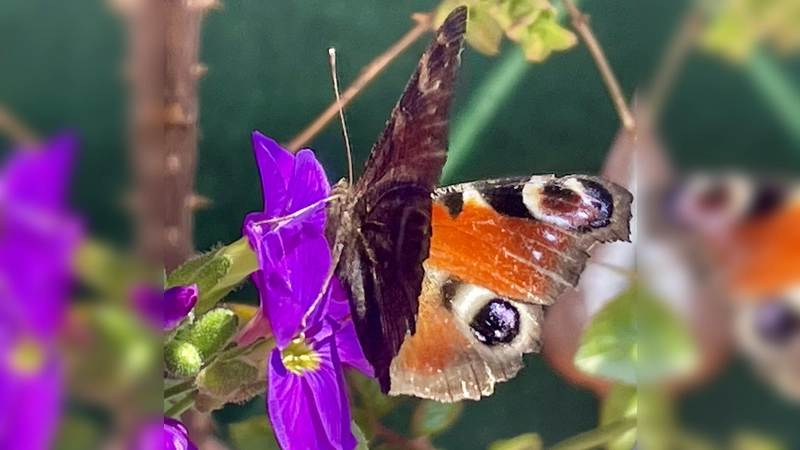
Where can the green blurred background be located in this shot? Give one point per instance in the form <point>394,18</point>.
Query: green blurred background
<point>60,65</point>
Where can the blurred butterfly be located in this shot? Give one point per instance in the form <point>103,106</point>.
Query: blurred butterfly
<point>447,286</point>
<point>750,227</point>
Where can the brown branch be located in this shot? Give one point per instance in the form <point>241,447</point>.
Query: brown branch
<point>368,73</point>
<point>581,24</point>
<point>144,74</point>
<point>181,72</point>
<point>16,130</point>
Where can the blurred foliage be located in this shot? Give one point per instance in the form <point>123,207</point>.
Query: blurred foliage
<point>431,417</point>
<point>531,24</point>
<point>528,441</point>
<point>666,345</point>
<point>739,26</point>
<point>619,404</point>
<point>609,344</point>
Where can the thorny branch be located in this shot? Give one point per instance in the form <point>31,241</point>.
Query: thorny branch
<point>581,24</point>
<point>368,73</point>
<point>181,72</point>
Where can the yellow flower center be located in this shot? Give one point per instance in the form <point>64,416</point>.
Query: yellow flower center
<point>26,356</point>
<point>298,357</point>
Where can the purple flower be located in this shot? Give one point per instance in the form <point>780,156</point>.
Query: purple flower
<point>306,307</point>
<point>173,305</point>
<point>38,238</point>
<point>175,436</point>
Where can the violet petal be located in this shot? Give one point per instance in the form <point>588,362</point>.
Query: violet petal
<point>275,166</point>
<point>178,301</point>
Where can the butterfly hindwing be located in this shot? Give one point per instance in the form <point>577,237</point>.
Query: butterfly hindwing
<point>381,227</point>
<point>501,250</point>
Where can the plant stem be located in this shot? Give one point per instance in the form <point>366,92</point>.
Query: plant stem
<point>178,389</point>
<point>581,24</point>
<point>183,405</point>
<point>597,437</point>
<point>16,130</point>
<point>368,73</point>
<point>778,90</point>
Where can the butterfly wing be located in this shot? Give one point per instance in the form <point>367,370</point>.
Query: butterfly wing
<point>389,224</point>
<point>500,251</point>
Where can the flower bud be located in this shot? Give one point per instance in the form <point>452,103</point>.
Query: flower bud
<point>182,358</point>
<point>211,332</point>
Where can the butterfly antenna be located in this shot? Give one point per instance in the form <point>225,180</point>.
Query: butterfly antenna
<point>332,55</point>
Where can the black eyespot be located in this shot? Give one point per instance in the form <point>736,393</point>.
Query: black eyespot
<point>602,201</point>
<point>767,197</point>
<point>776,322</point>
<point>496,323</point>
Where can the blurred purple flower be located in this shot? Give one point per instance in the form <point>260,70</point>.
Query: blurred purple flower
<point>38,238</point>
<point>175,436</point>
<point>307,313</point>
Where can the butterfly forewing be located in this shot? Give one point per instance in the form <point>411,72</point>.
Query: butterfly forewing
<point>382,226</point>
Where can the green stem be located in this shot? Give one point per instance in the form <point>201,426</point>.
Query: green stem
<point>778,90</point>
<point>597,437</point>
<point>183,405</point>
<point>178,389</point>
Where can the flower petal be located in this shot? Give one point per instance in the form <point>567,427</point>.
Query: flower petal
<point>350,351</point>
<point>31,406</point>
<point>178,301</point>
<point>309,185</point>
<point>310,411</point>
<point>175,436</point>
<point>293,283</point>
<point>275,166</point>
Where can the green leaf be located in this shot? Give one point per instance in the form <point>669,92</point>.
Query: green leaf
<point>431,418</point>
<point>528,441</point>
<point>619,404</point>
<point>370,398</point>
<point>597,437</point>
<point>668,349</point>
<point>361,439</point>
<point>110,271</point>
<point>253,434</point>
<point>484,33</point>
<point>608,346</point>
<point>542,37</point>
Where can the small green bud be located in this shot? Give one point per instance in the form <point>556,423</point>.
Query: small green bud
<point>210,333</point>
<point>231,381</point>
<point>182,358</point>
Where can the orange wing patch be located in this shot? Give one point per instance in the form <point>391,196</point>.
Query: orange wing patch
<point>767,254</point>
<point>514,257</point>
<point>437,344</point>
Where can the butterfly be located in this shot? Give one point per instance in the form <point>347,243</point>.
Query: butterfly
<point>447,286</point>
<point>749,228</point>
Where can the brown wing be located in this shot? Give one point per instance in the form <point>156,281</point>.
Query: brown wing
<point>381,262</point>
